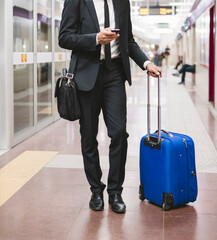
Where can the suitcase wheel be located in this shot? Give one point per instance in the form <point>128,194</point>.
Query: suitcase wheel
<point>166,207</point>
<point>141,193</point>
<point>168,201</point>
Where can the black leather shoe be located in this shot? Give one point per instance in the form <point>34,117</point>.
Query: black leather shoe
<point>96,201</point>
<point>176,74</point>
<point>181,83</point>
<point>117,203</point>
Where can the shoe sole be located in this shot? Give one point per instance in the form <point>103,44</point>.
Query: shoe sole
<point>120,212</point>
<point>97,209</point>
<point>116,211</point>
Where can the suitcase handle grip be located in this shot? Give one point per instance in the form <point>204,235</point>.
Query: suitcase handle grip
<point>169,134</point>
<point>148,109</point>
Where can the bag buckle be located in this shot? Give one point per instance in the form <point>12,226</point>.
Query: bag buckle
<point>69,76</point>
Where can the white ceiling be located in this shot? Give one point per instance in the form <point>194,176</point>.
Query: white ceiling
<point>154,2</point>
<point>151,27</point>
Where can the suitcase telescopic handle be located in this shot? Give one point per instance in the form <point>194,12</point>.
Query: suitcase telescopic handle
<point>164,131</point>
<point>149,106</point>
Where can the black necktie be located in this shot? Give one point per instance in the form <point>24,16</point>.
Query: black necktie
<point>107,24</point>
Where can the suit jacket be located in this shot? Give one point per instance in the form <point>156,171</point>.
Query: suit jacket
<point>79,35</point>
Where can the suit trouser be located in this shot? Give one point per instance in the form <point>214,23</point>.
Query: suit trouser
<point>108,95</point>
<point>186,68</point>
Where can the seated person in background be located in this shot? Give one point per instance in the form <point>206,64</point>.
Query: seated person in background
<point>179,62</point>
<point>185,68</point>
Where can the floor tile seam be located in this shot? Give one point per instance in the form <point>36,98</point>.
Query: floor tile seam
<point>132,187</point>
<point>185,214</point>
<point>2,152</point>
<point>72,224</point>
<point>13,171</point>
<point>65,185</point>
<point>81,168</point>
<point>19,152</point>
<point>36,173</point>
<point>75,168</point>
<point>80,155</point>
<point>207,190</point>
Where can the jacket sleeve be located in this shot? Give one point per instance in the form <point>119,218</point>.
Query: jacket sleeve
<point>135,51</point>
<point>68,35</point>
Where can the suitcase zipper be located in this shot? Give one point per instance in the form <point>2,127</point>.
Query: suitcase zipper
<point>186,145</point>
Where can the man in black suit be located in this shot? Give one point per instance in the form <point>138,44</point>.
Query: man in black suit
<point>100,63</point>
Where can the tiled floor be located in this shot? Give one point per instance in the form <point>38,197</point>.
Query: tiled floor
<point>53,205</point>
<point>206,112</point>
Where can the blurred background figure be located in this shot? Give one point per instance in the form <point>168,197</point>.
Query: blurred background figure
<point>166,54</point>
<point>158,56</point>
<point>185,68</point>
<point>155,56</point>
<point>180,61</point>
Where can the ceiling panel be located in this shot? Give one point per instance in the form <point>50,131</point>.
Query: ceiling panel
<point>160,2</point>
<point>154,2</point>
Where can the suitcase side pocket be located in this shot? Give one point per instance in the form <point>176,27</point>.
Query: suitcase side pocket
<point>192,171</point>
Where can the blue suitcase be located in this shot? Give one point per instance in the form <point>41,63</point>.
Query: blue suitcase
<point>167,165</point>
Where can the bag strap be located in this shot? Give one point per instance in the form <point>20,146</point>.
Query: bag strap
<point>74,58</point>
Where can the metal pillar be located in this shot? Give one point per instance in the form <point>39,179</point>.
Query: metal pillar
<point>6,79</point>
<point>212,56</point>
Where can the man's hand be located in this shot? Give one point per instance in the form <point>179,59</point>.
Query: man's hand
<point>106,36</point>
<point>154,70</point>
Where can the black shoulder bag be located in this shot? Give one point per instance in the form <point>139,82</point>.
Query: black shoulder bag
<point>66,89</point>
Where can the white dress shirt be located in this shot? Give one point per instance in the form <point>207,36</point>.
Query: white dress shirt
<point>99,6</point>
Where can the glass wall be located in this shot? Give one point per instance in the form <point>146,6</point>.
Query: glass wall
<point>23,25</point>
<point>44,90</point>
<point>38,63</point>
<point>60,60</point>
<point>23,97</point>
<point>57,19</point>
<point>44,31</point>
<point>44,70</point>
<point>23,72</point>
<point>58,72</point>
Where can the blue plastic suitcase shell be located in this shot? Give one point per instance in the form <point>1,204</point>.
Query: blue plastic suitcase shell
<point>168,175</point>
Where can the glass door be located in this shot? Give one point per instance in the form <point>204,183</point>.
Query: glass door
<point>37,64</point>
<point>23,47</point>
<point>44,59</point>
<point>60,54</point>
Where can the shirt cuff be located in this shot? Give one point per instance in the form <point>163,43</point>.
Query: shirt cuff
<point>146,63</point>
<point>97,42</point>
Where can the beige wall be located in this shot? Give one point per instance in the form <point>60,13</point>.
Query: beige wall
<point>189,47</point>
<point>170,40</point>
<point>202,81</point>
<point>186,48</point>
<point>202,74</point>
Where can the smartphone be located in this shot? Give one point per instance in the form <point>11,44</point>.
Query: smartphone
<point>117,31</point>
